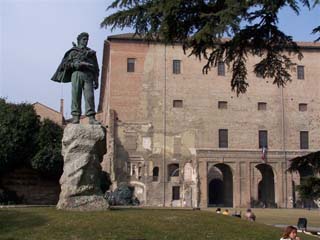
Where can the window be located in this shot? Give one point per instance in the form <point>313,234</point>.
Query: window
<point>221,69</point>
<point>222,105</point>
<point>175,193</point>
<point>303,107</point>
<point>223,138</point>
<point>155,174</point>
<point>262,106</point>
<point>304,140</point>
<point>139,172</point>
<point>176,66</point>
<point>263,139</point>
<point>130,64</point>
<point>173,170</point>
<point>300,72</point>
<point>177,103</point>
<point>133,173</point>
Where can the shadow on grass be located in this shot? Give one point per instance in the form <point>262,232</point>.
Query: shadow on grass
<point>128,208</point>
<point>13,220</point>
<point>115,208</point>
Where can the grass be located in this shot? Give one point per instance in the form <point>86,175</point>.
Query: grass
<point>283,216</point>
<point>130,224</point>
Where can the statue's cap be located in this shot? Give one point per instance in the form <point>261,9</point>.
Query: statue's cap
<point>83,34</point>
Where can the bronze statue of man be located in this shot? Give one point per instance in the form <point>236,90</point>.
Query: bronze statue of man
<point>80,67</point>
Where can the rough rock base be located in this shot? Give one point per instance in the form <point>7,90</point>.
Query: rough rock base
<point>83,147</point>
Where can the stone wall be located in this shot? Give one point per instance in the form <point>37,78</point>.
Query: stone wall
<point>31,187</point>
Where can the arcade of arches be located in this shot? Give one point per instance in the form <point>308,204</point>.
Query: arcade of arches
<point>246,183</point>
<point>221,181</point>
<point>220,186</point>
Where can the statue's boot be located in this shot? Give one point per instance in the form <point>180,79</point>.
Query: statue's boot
<point>93,121</point>
<point>75,119</point>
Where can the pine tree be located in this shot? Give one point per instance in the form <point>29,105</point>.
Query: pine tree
<point>201,25</point>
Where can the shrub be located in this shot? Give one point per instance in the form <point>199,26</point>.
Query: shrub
<point>48,159</point>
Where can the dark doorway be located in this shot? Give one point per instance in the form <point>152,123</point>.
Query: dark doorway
<point>155,174</point>
<point>293,194</point>
<point>266,193</point>
<point>216,192</point>
<point>220,186</point>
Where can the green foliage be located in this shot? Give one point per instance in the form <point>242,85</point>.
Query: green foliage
<point>200,26</point>
<point>311,160</point>
<point>309,189</point>
<point>315,31</point>
<point>48,159</point>
<point>18,125</point>
<point>24,141</point>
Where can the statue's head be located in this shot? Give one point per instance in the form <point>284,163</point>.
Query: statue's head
<point>83,39</point>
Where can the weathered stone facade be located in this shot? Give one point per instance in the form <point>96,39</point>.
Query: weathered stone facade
<point>171,154</point>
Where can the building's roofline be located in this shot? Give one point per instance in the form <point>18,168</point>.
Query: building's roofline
<point>133,37</point>
<point>46,107</point>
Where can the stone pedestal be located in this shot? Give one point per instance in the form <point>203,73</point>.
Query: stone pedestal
<point>83,147</point>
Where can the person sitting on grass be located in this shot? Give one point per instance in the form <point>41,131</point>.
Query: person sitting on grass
<point>218,210</point>
<point>250,215</point>
<point>225,212</point>
<point>290,233</point>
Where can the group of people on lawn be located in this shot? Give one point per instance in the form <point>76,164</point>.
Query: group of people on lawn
<point>290,232</point>
<point>249,215</point>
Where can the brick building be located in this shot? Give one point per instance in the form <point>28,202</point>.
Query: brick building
<point>45,112</point>
<point>182,138</point>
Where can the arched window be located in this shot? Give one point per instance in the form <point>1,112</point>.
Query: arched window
<point>173,170</point>
<point>155,174</point>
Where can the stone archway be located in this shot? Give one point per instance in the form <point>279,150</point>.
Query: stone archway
<point>266,188</point>
<point>220,185</point>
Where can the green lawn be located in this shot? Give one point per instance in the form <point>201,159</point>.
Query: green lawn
<point>49,223</point>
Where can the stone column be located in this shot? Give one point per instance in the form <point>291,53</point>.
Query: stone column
<point>83,147</point>
<point>237,187</point>
<point>203,170</point>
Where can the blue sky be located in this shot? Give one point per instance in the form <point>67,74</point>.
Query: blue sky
<point>34,35</point>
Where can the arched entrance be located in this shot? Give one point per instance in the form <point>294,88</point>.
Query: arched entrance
<point>220,187</point>
<point>266,193</point>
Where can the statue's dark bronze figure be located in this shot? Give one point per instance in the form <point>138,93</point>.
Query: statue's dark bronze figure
<point>80,66</point>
